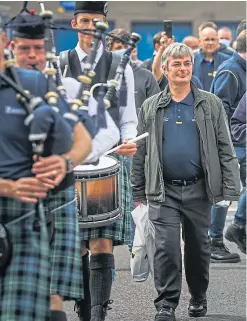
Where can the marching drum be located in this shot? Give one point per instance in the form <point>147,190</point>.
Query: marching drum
<point>98,193</point>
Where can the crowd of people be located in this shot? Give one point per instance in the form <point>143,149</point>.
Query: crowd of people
<point>189,97</point>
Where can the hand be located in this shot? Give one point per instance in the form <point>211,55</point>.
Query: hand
<point>29,189</point>
<point>50,170</point>
<point>165,41</point>
<point>223,204</point>
<point>144,202</point>
<point>127,149</point>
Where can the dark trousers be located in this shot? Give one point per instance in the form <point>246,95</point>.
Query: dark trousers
<point>188,205</point>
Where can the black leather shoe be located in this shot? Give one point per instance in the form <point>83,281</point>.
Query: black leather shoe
<point>221,254</point>
<point>238,236</point>
<point>165,313</point>
<point>197,307</point>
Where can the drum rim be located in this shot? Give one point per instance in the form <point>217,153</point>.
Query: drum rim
<point>87,174</point>
<point>113,216</point>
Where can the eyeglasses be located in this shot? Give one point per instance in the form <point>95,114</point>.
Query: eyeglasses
<point>210,39</point>
<point>186,64</point>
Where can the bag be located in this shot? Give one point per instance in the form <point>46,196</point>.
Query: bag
<point>141,262</point>
<point>6,248</point>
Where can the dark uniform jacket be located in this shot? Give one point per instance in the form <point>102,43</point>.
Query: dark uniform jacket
<point>218,158</point>
<point>219,58</point>
<point>238,122</point>
<point>229,83</point>
<point>147,64</point>
<point>145,85</point>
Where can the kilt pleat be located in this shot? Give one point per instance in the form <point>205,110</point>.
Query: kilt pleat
<point>119,231</point>
<point>24,288</point>
<point>65,248</point>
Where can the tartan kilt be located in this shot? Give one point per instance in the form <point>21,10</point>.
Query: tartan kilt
<point>24,286</point>
<point>120,231</point>
<point>65,246</point>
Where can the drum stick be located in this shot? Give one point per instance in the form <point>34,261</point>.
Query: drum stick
<point>65,71</point>
<point>130,141</point>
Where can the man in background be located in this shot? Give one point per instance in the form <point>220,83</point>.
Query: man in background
<point>192,42</point>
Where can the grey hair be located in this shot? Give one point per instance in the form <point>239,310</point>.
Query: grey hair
<point>177,50</point>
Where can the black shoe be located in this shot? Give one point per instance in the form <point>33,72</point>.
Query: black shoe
<point>237,235</point>
<point>197,307</point>
<point>83,310</point>
<point>99,312</point>
<point>221,254</point>
<point>165,313</point>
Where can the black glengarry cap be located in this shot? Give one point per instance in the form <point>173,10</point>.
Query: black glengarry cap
<point>29,26</point>
<point>97,7</point>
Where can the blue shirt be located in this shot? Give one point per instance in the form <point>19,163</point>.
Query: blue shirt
<point>181,142</point>
<point>15,148</point>
<point>207,70</point>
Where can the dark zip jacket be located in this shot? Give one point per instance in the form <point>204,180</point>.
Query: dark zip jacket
<point>219,162</point>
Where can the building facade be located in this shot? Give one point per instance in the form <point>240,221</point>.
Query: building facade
<point>144,17</point>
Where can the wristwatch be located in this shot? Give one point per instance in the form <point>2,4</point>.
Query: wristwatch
<point>69,164</point>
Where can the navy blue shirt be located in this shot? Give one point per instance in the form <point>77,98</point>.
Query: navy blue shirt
<point>207,70</point>
<point>15,148</point>
<point>181,142</point>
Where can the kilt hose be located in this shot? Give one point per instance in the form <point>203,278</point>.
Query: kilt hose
<point>65,247</point>
<point>24,287</point>
<point>119,231</point>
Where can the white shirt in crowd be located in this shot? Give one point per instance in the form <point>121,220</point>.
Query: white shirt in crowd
<point>128,116</point>
<point>106,138</point>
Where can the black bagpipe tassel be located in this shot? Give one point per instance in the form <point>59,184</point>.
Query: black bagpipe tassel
<point>101,119</point>
<point>122,99</point>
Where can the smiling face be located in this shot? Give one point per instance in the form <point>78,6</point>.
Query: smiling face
<point>29,52</point>
<point>85,21</point>
<point>178,70</point>
<point>209,40</point>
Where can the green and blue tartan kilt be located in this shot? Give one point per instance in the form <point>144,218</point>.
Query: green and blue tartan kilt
<point>24,287</point>
<point>120,231</point>
<point>65,247</point>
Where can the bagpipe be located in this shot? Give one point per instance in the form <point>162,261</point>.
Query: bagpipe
<point>80,106</point>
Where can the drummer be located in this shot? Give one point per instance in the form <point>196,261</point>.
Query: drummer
<point>66,278</point>
<point>101,240</point>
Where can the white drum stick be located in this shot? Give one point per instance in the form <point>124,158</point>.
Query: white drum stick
<point>130,141</point>
<point>65,71</point>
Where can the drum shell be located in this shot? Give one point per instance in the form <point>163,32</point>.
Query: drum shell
<point>98,194</point>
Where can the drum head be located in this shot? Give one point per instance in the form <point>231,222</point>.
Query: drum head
<point>107,165</point>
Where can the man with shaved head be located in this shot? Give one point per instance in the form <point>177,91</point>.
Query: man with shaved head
<point>191,42</point>
<point>222,46</point>
<point>208,59</point>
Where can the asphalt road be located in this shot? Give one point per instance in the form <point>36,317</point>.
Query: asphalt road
<point>134,301</point>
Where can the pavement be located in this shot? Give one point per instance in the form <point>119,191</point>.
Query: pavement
<point>134,301</point>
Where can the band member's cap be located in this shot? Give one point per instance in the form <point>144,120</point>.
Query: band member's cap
<point>98,7</point>
<point>29,26</point>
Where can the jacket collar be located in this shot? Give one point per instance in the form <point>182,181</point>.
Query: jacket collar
<point>164,98</point>
<point>240,60</point>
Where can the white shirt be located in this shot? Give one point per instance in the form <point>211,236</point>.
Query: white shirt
<point>128,117</point>
<point>106,138</point>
